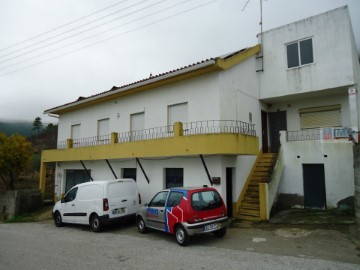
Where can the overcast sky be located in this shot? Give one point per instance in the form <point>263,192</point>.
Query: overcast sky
<point>52,52</point>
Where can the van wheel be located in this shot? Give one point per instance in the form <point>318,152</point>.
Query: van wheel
<point>95,223</point>
<point>141,225</point>
<point>58,220</point>
<point>181,236</point>
<point>220,233</point>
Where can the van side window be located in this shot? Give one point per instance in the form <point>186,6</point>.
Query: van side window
<point>174,199</point>
<point>159,199</point>
<point>71,195</point>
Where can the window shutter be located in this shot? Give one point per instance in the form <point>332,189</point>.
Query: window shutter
<point>327,116</point>
<point>103,127</point>
<point>178,113</point>
<point>137,121</point>
<point>75,132</point>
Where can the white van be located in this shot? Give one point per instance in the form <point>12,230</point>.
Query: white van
<point>97,203</point>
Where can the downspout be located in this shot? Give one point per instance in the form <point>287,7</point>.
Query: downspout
<point>108,163</point>
<point>206,169</point>
<point>142,169</point>
<point>87,172</point>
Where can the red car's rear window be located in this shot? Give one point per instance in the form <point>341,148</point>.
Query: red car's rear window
<point>205,200</point>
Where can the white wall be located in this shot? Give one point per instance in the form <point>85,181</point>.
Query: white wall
<point>239,94</point>
<point>333,55</point>
<point>292,108</point>
<point>201,93</point>
<point>339,172</point>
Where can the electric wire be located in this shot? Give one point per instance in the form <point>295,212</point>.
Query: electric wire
<point>73,29</point>
<point>63,25</point>
<point>95,35</point>
<point>112,37</point>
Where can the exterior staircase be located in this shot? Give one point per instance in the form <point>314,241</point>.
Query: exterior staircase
<point>250,201</point>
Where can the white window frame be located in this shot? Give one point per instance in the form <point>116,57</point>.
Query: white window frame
<point>299,52</point>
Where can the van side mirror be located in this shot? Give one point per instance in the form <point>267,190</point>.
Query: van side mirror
<point>62,200</point>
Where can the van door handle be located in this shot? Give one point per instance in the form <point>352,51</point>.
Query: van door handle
<point>124,201</point>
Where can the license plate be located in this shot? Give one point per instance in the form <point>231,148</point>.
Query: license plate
<point>118,211</point>
<point>211,227</point>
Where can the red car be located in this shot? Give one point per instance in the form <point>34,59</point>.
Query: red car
<point>185,212</point>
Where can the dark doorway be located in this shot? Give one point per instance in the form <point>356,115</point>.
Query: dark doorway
<point>74,177</point>
<point>264,128</point>
<point>277,122</point>
<point>314,186</point>
<point>229,191</point>
<point>174,177</point>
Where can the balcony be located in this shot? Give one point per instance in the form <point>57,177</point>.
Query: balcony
<point>323,134</point>
<point>203,137</point>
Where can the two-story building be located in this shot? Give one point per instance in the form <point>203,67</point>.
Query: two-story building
<point>217,122</point>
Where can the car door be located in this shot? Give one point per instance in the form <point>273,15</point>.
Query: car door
<point>155,212</point>
<point>68,206</point>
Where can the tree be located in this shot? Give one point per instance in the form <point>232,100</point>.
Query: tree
<point>37,124</point>
<point>15,157</point>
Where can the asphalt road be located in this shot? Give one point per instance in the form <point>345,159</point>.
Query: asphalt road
<point>43,246</point>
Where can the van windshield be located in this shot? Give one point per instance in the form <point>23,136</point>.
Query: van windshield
<point>205,200</point>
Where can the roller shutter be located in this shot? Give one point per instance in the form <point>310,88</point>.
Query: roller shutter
<point>318,117</point>
<point>178,113</point>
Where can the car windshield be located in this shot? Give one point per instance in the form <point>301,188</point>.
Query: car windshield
<point>206,200</point>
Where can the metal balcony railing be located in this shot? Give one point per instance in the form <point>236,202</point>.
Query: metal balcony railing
<point>219,126</point>
<point>192,128</point>
<point>320,134</point>
<point>146,134</point>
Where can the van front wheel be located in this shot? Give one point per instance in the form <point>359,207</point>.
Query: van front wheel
<point>58,220</point>
<point>95,223</point>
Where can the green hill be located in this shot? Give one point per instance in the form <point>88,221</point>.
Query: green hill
<point>22,128</point>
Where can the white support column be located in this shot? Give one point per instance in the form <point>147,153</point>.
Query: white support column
<point>354,108</point>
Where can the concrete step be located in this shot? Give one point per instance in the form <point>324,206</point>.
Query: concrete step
<point>248,217</point>
<point>250,204</point>
<point>262,169</point>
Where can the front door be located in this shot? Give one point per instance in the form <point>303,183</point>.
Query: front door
<point>314,186</point>
<point>229,190</point>
<point>277,122</point>
<point>155,212</point>
<point>68,206</point>
<point>264,131</point>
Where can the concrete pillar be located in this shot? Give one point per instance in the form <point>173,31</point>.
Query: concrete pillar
<point>178,129</point>
<point>42,177</point>
<point>354,110</point>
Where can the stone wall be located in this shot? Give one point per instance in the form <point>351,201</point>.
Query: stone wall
<point>18,202</point>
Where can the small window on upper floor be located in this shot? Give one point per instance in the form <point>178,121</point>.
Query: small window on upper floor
<point>300,53</point>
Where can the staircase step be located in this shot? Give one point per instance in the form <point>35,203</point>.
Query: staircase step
<point>253,188</point>
<point>250,212</point>
<point>251,209</point>
<point>262,169</point>
<point>250,204</point>
<point>248,217</point>
<point>253,193</point>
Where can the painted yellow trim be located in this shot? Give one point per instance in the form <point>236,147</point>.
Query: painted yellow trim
<point>42,182</point>
<point>209,144</point>
<point>219,65</point>
<point>69,143</point>
<point>247,182</point>
<point>263,200</point>
<point>237,58</point>
<point>178,129</point>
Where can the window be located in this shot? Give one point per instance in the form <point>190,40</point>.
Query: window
<point>174,177</point>
<point>159,199</point>
<point>129,173</point>
<point>300,53</point>
<point>71,195</point>
<point>175,199</point>
<point>74,177</point>
<point>75,132</point>
<point>137,123</point>
<point>319,117</point>
<point>205,200</point>
<point>177,113</point>
<point>103,127</point>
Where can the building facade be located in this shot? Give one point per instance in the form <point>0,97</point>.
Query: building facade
<point>213,122</point>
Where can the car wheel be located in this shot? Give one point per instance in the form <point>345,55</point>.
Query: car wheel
<point>181,236</point>
<point>58,220</point>
<point>141,225</point>
<point>95,223</point>
<point>220,233</point>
